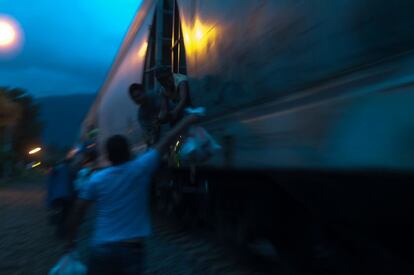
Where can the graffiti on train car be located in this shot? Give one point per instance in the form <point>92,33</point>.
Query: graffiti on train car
<point>269,49</point>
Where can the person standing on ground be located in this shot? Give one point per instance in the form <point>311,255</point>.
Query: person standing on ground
<point>176,95</point>
<point>121,193</point>
<point>60,195</point>
<point>149,108</point>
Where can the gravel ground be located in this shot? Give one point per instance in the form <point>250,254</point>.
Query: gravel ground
<point>28,246</point>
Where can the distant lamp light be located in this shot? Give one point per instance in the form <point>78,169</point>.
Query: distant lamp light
<point>11,35</point>
<point>8,34</point>
<point>36,164</point>
<point>35,150</point>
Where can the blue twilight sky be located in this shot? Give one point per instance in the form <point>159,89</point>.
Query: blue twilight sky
<point>69,45</point>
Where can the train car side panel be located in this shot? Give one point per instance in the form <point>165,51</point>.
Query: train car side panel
<point>116,113</point>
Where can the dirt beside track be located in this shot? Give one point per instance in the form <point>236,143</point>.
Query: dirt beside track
<point>28,245</point>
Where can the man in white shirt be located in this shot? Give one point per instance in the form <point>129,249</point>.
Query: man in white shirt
<point>121,193</point>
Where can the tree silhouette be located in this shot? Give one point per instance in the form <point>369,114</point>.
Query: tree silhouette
<point>9,111</point>
<point>19,118</point>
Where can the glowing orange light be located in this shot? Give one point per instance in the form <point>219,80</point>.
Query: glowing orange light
<point>198,36</point>
<point>186,38</point>
<point>8,34</point>
<point>143,50</point>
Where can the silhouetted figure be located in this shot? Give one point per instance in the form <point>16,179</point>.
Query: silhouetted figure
<point>60,195</point>
<point>149,108</point>
<point>175,94</point>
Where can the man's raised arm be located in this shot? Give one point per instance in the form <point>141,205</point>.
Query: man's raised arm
<point>171,137</point>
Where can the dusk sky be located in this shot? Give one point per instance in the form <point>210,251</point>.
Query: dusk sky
<point>67,46</point>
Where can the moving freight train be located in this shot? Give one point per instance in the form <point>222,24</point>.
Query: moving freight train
<point>311,102</point>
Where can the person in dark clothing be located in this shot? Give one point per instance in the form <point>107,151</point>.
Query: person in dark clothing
<point>60,195</point>
<point>149,109</point>
<point>176,95</point>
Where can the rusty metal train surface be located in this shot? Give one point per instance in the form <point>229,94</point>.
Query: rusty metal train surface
<point>325,84</point>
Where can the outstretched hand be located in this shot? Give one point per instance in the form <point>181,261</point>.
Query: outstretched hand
<point>182,126</point>
<point>196,114</point>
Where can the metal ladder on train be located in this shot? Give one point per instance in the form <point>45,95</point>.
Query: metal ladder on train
<point>166,47</point>
<point>164,17</point>
<point>168,36</point>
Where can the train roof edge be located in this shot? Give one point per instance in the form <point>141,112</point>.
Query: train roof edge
<point>141,14</point>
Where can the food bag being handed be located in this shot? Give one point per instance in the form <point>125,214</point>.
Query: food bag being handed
<point>69,264</point>
<point>198,145</point>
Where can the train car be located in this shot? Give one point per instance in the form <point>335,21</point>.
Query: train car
<point>310,100</point>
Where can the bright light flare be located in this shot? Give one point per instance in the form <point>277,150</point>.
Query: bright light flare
<point>199,36</point>
<point>187,38</point>
<point>35,150</point>
<point>7,34</point>
<point>11,36</point>
<point>34,165</point>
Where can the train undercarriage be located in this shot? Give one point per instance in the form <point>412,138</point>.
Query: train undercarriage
<point>309,229</point>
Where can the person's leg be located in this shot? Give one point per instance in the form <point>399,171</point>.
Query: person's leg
<point>104,260</point>
<point>56,211</point>
<point>66,206</point>
<point>133,260</point>
<point>58,219</point>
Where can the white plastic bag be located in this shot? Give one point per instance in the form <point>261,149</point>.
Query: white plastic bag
<point>68,264</point>
<point>198,147</point>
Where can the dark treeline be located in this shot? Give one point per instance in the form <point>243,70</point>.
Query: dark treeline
<point>20,127</point>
